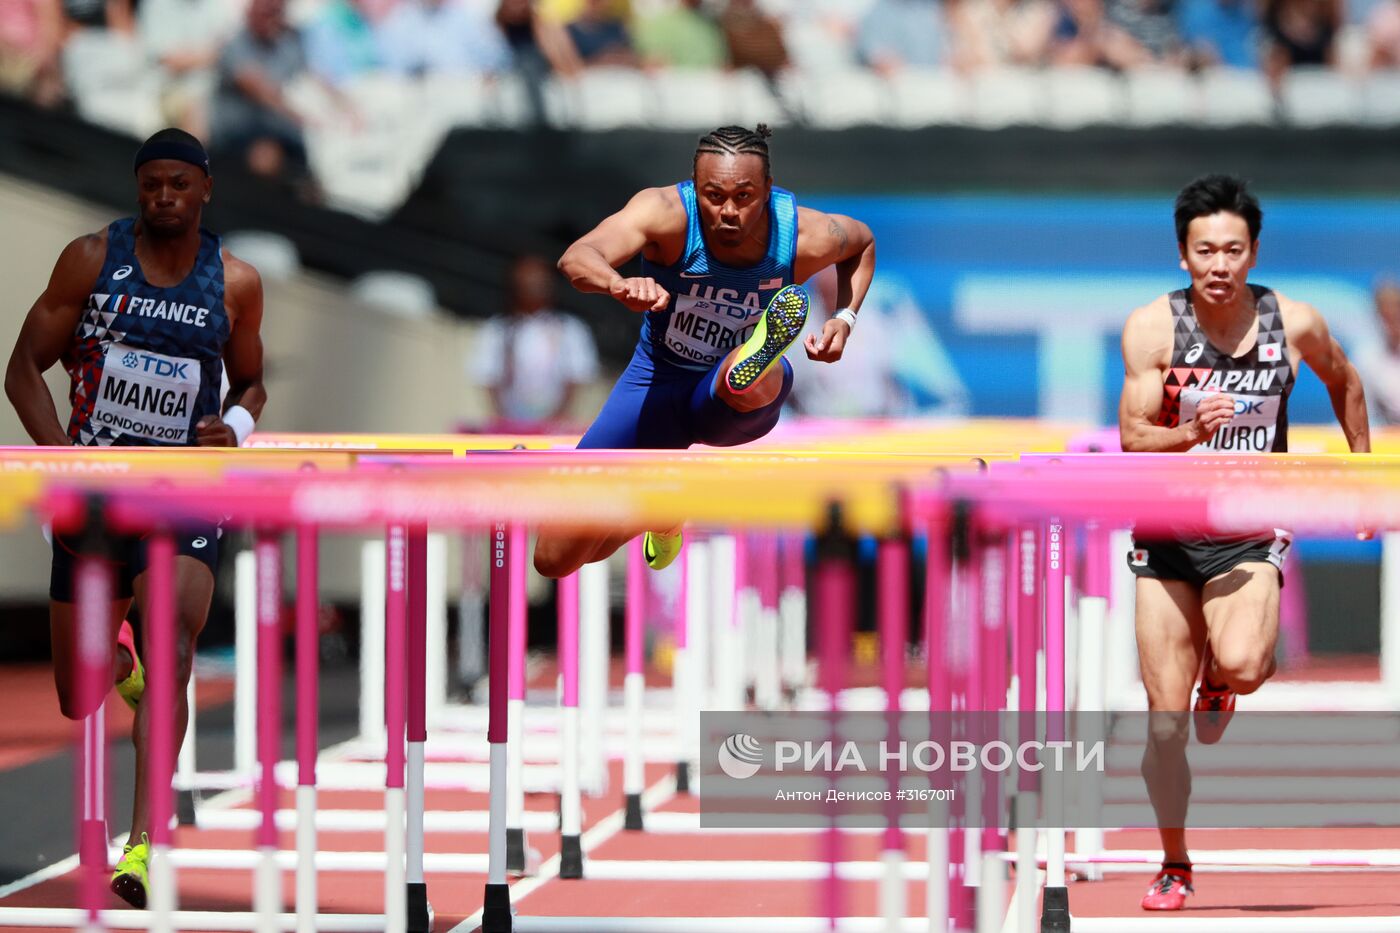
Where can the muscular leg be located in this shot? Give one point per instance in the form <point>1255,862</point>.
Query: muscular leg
<point>1241,618</point>
<point>194,590</point>
<point>558,555</point>
<point>1171,634</point>
<point>63,635</point>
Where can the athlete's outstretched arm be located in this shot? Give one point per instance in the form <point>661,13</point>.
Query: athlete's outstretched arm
<point>591,263</point>
<point>834,239</point>
<point>243,354</point>
<point>1324,356</point>
<point>1146,354</point>
<point>48,331</point>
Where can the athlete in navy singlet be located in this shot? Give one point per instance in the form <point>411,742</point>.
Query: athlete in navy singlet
<point>1209,369</point>
<point>720,254</point>
<point>146,317</point>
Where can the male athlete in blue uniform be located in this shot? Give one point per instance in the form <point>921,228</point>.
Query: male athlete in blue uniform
<point>720,254</point>
<point>146,316</point>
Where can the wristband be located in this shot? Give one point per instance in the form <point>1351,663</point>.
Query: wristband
<point>847,315</point>
<point>241,420</point>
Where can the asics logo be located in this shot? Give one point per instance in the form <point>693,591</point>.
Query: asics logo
<point>199,542</point>
<point>1194,354</point>
<point>121,273</point>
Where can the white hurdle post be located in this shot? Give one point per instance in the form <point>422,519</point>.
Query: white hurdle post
<point>436,674</point>
<point>792,613</point>
<point>245,660</point>
<point>519,860</point>
<point>570,804</point>
<point>372,642</point>
<point>690,663</point>
<point>728,666</point>
<point>1390,614</point>
<point>267,896</point>
<point>1093,612</point>
<point>593,677</point>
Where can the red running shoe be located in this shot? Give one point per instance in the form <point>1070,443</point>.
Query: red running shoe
<point>1214,707</point>
<point>1169,889</point>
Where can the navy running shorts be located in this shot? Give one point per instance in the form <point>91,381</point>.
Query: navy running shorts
<point>657,405</point>
<point>1198,560</point>
<point>200,541</point>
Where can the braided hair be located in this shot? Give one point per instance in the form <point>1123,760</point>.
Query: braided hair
<point>736,140</point>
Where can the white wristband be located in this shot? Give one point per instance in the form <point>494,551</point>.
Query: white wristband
<point>847,315</point>
<point>241,420</point>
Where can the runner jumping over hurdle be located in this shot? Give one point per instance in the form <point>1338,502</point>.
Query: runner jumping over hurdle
<point>720,253</point>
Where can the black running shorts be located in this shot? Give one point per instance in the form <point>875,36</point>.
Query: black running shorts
<point>1200,560</point>
<point>199,541</point>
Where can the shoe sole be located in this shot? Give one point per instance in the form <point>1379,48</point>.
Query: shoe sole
<point>130,890</point>
<point>780,325</point>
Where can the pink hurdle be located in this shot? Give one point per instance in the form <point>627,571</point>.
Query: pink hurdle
<point>308,705</point>
<point>496,914</point>
<point>570,800</point>
<point>267,899</point>
<point>634,684</point>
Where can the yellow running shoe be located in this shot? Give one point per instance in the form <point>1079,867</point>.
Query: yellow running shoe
<point>780,325</point>
<point>130,881</point>
<point>134,686</point>
<point>660,549</point>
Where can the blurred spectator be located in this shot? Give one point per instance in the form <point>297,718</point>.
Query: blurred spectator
<point>116,15</point>
<point>441,37</point>
<point>341,42</point>
<point>1379,363</point>
<point>1300,32</point>
<point>251,117</point>
<point>600,36</point>
<point>899,34</point>
<point>1219,32</point>
<point>1151,25</point>
<point>537,47</point>
<point>564,12</point>
<point>31,35</point>
<point>1001,33</point>
<point>532,360</point>
<point>755,39</point>
<point>1383,34</point>
<point>684,36</point>
<point>1085,36</point>
<point>184,38</point>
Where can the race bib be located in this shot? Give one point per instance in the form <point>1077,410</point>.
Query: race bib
<point>146,395</point>
<point>1252,429</point>
<point>703,330</point>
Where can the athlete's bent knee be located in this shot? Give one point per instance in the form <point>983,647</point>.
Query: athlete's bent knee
<point>1242,669</point>
<point>1167,729</point>
<point>554,565</point>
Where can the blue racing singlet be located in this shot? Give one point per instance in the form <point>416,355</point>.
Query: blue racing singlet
<point>146,363</point>
<point>715,307</point>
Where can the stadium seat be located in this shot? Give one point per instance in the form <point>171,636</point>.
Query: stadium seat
<point>690,99</point>
<point>924,97</point>
<point>111,82</point>
<point>1380,98</point>
<point>607,98</point>
<point>812,43</point>
<point>1161,96</point>
<point>839,99</point>
<point>1235,96</point>
<point>272,254</point>
<point>397,293</point>
<point>456,100</point>
<point>1083,97</point>
<point>1320,97</point>
<point>1008,96</point>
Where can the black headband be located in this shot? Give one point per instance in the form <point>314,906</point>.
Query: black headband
<point>172,149</point>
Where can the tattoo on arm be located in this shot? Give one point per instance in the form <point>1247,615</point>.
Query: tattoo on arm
<point>839,232</point>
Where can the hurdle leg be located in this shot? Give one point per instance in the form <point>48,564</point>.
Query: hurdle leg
<point>308,705</point>
<point>435,667</point>
<point>93,596</point>
<point>1027,643</point>
<point>593,677</point>
<point>419,910</point>
<point>160,662</point>
<point>395,697</point>
<point>634,686</point>
<point>792,610</point>
<point>1054,915</point>
<point>892,569</point>
<point>496,914</point>
<point>1093,612</point>
<point>245,647</point>
<point>936,603</point>
<point>570,805</point>
<point>268,879</point>
<point>519,860</point>
<point>768,675</point>
<point>728,665</point>
<point>836,591</point>
<point>471,601</point>
<point>372,598</point>
<point>690,658</point>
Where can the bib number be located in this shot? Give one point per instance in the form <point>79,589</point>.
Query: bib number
<point>146,395</point>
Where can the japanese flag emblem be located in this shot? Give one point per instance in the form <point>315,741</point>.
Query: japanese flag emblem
<point>1270,352</point>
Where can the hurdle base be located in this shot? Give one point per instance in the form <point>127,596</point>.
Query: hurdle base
<point>570,857</point>
<point>185,806</point>
<point>682,777</point>
<point>633,819</point>
<point>1054,911</point>
<point>420,912</point>
<point>496,914</point>
<point>515,851</point>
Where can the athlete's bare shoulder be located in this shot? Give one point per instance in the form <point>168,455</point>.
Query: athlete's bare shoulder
<point>1298,316</point>
<point>661,209</point>
<point>824,239</point>
<point>1147,334</point>
<point>242,287</point>
<point>81,260</point>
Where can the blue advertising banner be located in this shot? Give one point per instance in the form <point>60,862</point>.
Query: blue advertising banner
<point>1013,305</point>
